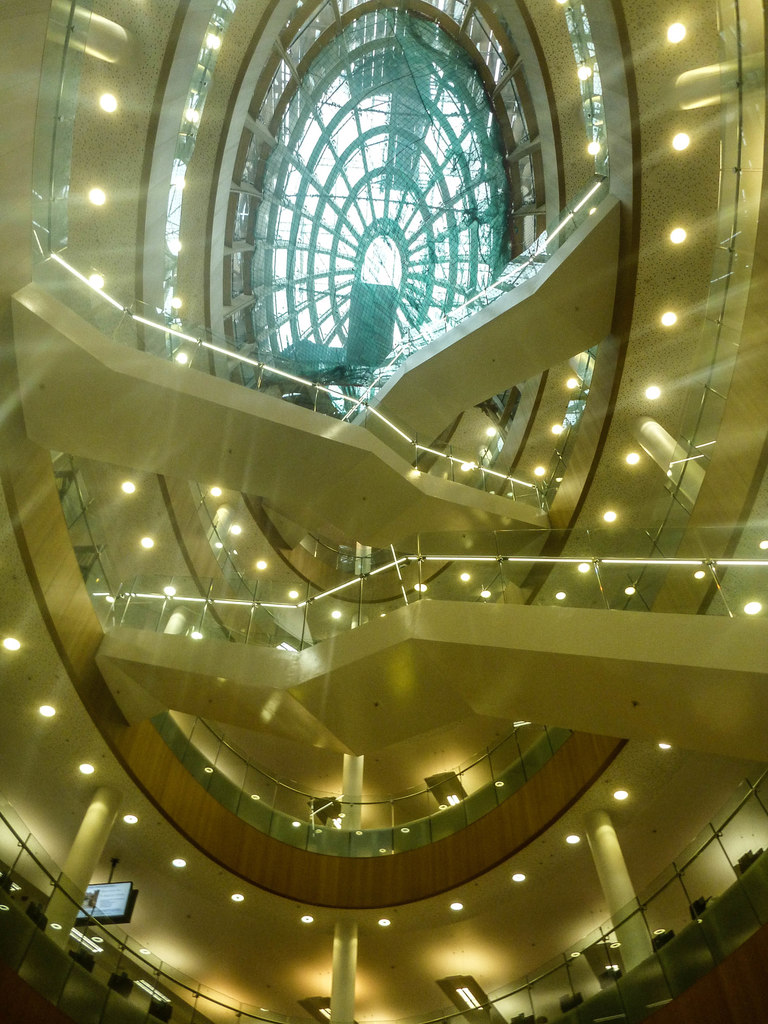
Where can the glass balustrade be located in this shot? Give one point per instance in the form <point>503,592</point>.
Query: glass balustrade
<point>708,902</point>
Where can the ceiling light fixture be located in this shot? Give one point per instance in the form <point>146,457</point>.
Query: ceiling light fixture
<point>215,492</point>
<point>609,516</point>
<point>11,644</point>
<point>465,577</point>
<point>678,235</point>
<point>593,148</point>
<point>87,769</point>
<point>560,595</point>
<point>583,567</point>
<point>384,922</point>
<point>653,392</point>
<point>676,32</point>
<point>572,383</point>
<point>335,614</point>
<point>699,574</point>
<point>620,794</point>
<point>235,529</point>
<point>539,471</point>
<point>573,839</point>
<point>147,543</point>
<point>169,591</point>
<point>47,711</point>
<point>130,819</point>
<point>420,587</point>
<point>753,607</point>
<point>128,487</point>
<point>96,281</point>
<point>179,862</point>
<point>557,428</point>
<point>307,919</point>
<point>176,302</point>
<point>97,196</point>
<point>485,594</point>
<point>457,906</point>
<point>584,72</point>
<point>196,635</point>
<point>681,141</point>
<point>108,102</point>
<point>669,318</point>
<point>293,594</point>
<point>629,591</point>
<point>261,565</point>
<point>182,358</point>
<point>632,458</point>
<point>237,897</point>
<point>665,746</point>
<point>518,877</point>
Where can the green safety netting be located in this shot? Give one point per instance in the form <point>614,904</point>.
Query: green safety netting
<point>385,202</point>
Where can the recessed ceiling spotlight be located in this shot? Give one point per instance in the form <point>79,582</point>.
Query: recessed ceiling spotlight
<point>179,862</point>
<point>182,358</point>
<point>215,492</point>
<point>585,72</point>
<point>235,529</point>
<point>130,819</point>
<point>669,318</point>
<point>584,567</point>
<point>653,392</point>
<point>593,148</point>
<point>572,383</point>
<point>518,877</point>
<point>218,545</point>
<point>237,897</point>
<point>665,746</point>
<point>261,565</point>
<point>169,591</point>
<point>147,543</point>
<point>609,516</point>
<point>87,769</point>
<point>490,431</point>
<point>457,906</point>
<point>293,594</point>
<point>465,577</point>
<point>145,952</point>
<point>557,428</point>
<point>467,466</point>
<point>678,235</point>
<point>576,953</point>
<point>176,302</point>
<point>420,588</point>
<point>763,545</point>
<point>196,635</point>
<point>632,458</point>
<point>47,711</point>
<point>676,32</point>
<point>573,839</point>
<point>629,591</point>
<point>296,824</point>
<point>753,607</point>
<point>384,922</point>
<point>11,644</point>
<point>539,471</point>
<point>620,794</point>
<point>560,595</point>
<point>128,487</point>
<point>335,614</point>
<point>485,594</point>
<point>108,102</point>
<point>699,574</point>
<point>97,196</point>
<point>96,281</point>
<point>307,919</point>
<point>681,141</point>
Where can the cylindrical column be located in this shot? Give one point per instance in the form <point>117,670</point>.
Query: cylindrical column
<point>670,456</point>
<point>617,888</point>
<point>352,790</point>
<point>179,621</point>
<point>82,860</point>
<point>343,974</point>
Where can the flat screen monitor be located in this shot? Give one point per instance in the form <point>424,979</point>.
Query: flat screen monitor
<point>108,902</point>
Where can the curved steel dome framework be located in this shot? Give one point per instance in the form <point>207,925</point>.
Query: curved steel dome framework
<point>385,200</point>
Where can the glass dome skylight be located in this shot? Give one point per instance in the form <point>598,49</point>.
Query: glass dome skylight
<point>385,201</point>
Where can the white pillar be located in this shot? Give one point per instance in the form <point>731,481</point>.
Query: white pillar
<point>343,972</point>
<point>617,888</point>
<point>352,790</point>
<point>669,456</point>
<point>82,860</point>
<point>179,621</point>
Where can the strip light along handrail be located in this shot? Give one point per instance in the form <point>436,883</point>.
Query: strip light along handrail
<point>163,973</point>
<point>174,332</point>
<point>590,560</point>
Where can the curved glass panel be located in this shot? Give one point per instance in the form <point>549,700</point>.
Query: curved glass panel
<point>385,199</point>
